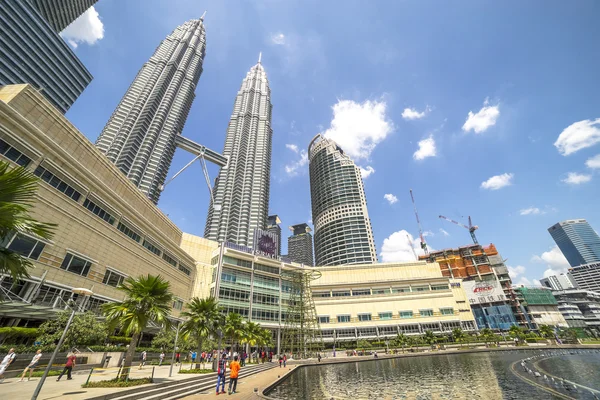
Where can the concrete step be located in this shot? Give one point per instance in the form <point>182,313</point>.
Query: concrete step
<point>180,388</point>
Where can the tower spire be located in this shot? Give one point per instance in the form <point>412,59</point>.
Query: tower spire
<point>259,57</point>
<point>202,17</point>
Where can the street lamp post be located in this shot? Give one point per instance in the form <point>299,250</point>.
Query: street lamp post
<point>79,291</point>
<point>174,349</point>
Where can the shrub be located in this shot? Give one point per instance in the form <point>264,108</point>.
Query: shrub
<point>196,371</point>
<point>16,332</point>
<point>117,383</point>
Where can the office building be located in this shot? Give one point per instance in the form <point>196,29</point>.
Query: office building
<point>273,227</point>
<point>587,276</point>
<point>577,240</point>
<point>580,308</point>
<point>107,229</point>
<point>143,132</point>
<point>343,233</point>
<point>540,307</point>
<point>559,282</point>
<point>61,13</point>
<point>300,245</point>
<point>241,192</point>
<point>31,51</point>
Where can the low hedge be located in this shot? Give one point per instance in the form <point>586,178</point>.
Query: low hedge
<point>117,383</point>
<point>15,331</point>
<point>196,371</point>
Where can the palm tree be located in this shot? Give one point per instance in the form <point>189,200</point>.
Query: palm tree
<point>515,332</point>
<point>18,187</point>
<point>252,334</point>
<point>429,337</point>
<point>402,340</point>
<point>458,335</point>
<point>147,299</point>
<point>234,328</point>
<point>203,319</point>
<point>547,331</point>
<point>487,335</point>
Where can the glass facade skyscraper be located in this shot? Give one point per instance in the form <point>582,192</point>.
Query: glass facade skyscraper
<point>343,233</point>
<point>31,51</point>
<point>241,192</point>
<point>579,243</point>
<point>141,134</point>
<point>61,13</point>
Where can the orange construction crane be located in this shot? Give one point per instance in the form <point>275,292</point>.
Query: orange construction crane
<point>471,228</point>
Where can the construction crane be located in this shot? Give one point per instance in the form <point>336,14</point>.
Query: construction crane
<point>412,247</point>
<point>471,228</point>
<point>423,243</point>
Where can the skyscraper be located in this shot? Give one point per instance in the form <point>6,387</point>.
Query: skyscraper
<point>343,233</point>
<point>141,135</point>
<point>579,243</point>
<point>300,245</point>
<point>241,192</point>
<point>60,13</point>
<point>31,51</point>
<point>273,227</point>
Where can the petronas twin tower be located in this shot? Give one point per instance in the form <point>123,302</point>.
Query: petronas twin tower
<point>144,131</point>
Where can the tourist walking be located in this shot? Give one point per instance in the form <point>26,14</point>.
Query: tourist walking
<point>177,355</point>
<point>194,354</point>
<point>280,361</point>
<point>68,366</point>
<point>319,356</point>
<point>161,358</point>
<point>234,367</point>
<point>221,369</point>
<point>284,360</point>
<point>8,359</point>
<point>143,359</point>
<point>32,365</point>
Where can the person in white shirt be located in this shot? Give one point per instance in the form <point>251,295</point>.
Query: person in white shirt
<point>32,365</point>
<point>8,359</point>
<point>161,358</point>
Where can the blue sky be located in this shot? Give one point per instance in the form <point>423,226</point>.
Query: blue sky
<point>483,108</point>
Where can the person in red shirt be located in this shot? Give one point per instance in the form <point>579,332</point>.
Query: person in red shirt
<point>234,367</point>
<point>68,366</point>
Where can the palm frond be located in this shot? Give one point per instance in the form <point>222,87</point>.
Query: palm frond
<point>14,264</point>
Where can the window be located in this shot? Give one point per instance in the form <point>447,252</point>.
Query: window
<point>324,319</point>
<point>426,313</point>
<point>112,278</point>
<point>439,287</point>
<point>420,288</point>
<point>13,154</point>
<point>385,315</point>
<point>178,304</point>
<point>237,261</point>
<point>152,248</point>
<point>342,293</point>
<point>400,290</point>
<point>169,259</point>
<point>381,291</point>
<point>185,269</point>
<point>76,265</point>
<point>321,294</point>
<point>93,207</point>
<point>25,246</point>
<point>57,183</point>
<point>406,314</point>
<point>364,317</point>
<point>343,318</point>
<point>266,268</point>
<point>361,292</point>
<point>129,232</point>
<point>447,311</point>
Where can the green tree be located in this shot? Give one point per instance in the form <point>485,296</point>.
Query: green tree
<point>18,187</point>
<point>429,337</point>
<point>148,299</point>
<point>363,344</point>
<point>547,331</point>
<point>516,332</point>
<point>401,340</point>
<point>203,320</point>
<point>487,335</point>
<point>234,328</point>
<point>458,335</point>
<point>252,334</point>
<point>86,330</point>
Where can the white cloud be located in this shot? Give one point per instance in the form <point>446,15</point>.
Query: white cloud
<point>366,172</point>
<point>514,272</point>
<point>428,233</point>
<point>88,28</point>
<point>555,261</point>
<point>577,136</point>
<point>483,119</point>
<point>593,162</point>
<point>292,147</point>
<point>412,113</point>
<point>498,181</point>
<point>573,178</point>
<point>426,149</point>
<point>359,127</point>
<point>397,247</point>
<point>443,232</point>
<point>294,168</point>
<point>531,211</point>
<point>390,198</point>
<point>278,38</point>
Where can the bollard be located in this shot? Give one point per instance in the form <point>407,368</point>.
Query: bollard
<point>119,373</point>
<point>89,376</point>
<point>152,377</point>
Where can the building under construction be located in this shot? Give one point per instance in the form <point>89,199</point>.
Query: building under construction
<point>482,264</point>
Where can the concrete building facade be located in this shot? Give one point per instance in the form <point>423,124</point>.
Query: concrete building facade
<point>300,245</point>
<point>577,240</point>
<point>580,308</point>
<point>61,13</point>
<point>107,229</point>
<point>587,276</point>
<point>31,51</point>
<point>559,282</point>
<point>240,200</point>
<point>540,307</point>
<point>343,232</point>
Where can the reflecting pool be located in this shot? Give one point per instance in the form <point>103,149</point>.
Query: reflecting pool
<point>523,374</point>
